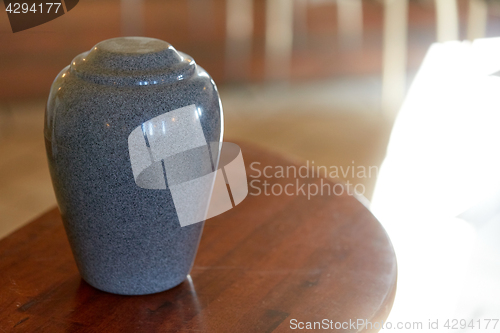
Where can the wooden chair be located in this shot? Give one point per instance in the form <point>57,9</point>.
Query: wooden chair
<point>395,42</point>
<point>280,16</point>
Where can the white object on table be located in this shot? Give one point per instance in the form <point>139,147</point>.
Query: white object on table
<point>442,159</point>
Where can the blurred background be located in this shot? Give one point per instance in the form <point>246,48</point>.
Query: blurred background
<point>317,80</point>
<point>314,80</point>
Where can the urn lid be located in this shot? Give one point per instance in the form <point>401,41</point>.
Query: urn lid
<point>133,61</point>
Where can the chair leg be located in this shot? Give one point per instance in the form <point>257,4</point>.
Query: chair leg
<point>447,20</point>
<point>239,31</point>
<point>279,38</point>
<point>478,17</point>
<point>350,23</point>
<point>300,21</point>
<point>394,55</point>
<point>201,19</point>
<point>132,17</point>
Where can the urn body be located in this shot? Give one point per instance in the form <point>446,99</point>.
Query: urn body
<point>123,226</point>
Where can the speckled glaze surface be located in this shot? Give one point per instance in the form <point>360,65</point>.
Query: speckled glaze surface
<point>125,239</point>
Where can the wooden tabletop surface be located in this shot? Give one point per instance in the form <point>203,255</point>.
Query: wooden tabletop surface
<point>260,266</point>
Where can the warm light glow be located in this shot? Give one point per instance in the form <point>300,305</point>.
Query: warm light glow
<point>441,160</point>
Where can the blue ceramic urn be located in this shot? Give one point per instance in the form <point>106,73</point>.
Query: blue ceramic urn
<point>125,124</point>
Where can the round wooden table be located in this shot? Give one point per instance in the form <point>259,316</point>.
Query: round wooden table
<point>271,264</point>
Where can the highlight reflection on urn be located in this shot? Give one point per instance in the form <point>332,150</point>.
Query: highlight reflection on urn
<point>170,151</point>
